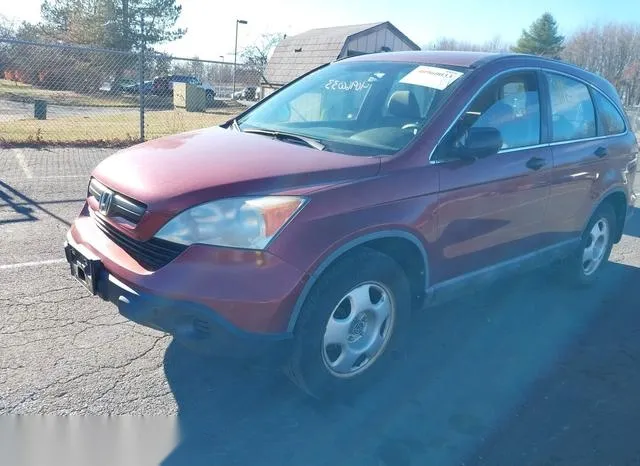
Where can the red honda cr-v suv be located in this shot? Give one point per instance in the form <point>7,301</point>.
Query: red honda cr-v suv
<point>319,219</point>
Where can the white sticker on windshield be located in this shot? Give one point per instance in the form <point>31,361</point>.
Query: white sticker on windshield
<point>430,76</point>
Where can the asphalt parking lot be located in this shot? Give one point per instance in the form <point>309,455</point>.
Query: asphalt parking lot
<point>524,373</point>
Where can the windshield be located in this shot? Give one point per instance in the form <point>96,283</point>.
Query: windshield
<point>358,108</point>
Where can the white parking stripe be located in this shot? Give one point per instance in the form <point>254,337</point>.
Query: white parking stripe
<point>31,264</point>
<point>55,177</point>
<point>22,162</point>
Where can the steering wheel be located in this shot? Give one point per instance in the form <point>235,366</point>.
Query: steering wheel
<point>411,127</point>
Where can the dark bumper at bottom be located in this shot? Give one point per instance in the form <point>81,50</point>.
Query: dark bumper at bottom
<point>193,325</point>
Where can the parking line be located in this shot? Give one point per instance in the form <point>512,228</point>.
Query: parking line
<point>55,177</point>
<point>31,264</point>
<point>23,163</point>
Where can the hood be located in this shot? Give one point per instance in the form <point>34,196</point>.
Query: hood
<point>176,172</point>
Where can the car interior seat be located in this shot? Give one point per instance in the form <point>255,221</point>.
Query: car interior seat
<point>404,106</point>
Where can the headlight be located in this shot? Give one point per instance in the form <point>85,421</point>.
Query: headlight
<point>243,222</point>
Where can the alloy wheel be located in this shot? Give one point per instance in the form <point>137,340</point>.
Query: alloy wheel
<point>596,246</point>
<point>358,329</point>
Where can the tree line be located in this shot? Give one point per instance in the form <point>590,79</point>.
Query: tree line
<point>120,25</point>
<point>112,24</point>
<point>611,50</point>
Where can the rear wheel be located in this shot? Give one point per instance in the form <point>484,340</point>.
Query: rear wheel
<point>350,325</point>
<point>586,264</point>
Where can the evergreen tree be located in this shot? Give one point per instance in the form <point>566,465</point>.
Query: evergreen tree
<point>542,38</point>
<point>112,23</point>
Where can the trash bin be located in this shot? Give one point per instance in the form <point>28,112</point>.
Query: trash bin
<point>40,110</point>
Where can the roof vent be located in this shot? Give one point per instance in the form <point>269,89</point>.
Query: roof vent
<point>299,49</point>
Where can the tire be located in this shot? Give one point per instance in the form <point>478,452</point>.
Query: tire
<point>581,271</point>
<point>348,304</point>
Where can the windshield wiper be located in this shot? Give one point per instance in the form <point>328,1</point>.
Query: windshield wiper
<point>309,142</point>
<point>235,125</point>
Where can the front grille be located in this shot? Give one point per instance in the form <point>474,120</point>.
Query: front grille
<point>151,254</point>
<point>120,206</point>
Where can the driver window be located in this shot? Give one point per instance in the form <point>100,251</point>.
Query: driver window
<point>512,106</point>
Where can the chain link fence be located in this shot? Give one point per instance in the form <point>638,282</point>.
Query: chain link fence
<point>634,118</point>
<point>57,94</point>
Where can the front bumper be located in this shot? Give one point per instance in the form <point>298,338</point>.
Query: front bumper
<point>191,324</point>
<point>253,291</point>
<point>226,307</point>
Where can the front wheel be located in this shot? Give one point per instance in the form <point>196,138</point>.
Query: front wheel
<point>351,323</point>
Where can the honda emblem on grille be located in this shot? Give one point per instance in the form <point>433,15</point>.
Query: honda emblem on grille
<point>106,198</point>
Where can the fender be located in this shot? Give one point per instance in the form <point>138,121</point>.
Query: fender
<point>344,248</point>
<point>613,190</point>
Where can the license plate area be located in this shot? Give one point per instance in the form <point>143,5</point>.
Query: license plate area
<point>84,269</point>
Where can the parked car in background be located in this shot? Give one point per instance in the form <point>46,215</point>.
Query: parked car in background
<point>318,220</point>
<point>247,93</point>
<point>147,88</point>
<point>163,85</point>
<point>117,86</point>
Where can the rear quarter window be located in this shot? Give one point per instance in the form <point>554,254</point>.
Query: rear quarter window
<point>610,120</point>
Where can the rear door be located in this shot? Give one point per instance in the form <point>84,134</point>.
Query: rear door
<point>493,209</point>
<point>620,148</point>
<point>585,126</point>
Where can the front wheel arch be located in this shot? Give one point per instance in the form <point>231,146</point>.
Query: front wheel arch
<point>370,240</point>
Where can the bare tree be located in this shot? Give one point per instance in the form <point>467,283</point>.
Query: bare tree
<point>7,30</point>
<point>196,68</point>
<point>611,50</point>
<point>257,55</point>
<point>7,27</point>
<point>448,43</point>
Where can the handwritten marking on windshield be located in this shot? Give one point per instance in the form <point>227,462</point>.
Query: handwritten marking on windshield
<point>335,84</point>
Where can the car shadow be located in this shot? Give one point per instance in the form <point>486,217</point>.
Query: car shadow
<point>468,366</point>
<point>632,227</point>
<point>24,211</point>
<point>578,412</point>
<point>27,207</point>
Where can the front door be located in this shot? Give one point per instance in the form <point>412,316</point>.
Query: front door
<point>492,209</point>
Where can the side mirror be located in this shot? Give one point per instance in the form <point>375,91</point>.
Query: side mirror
<point>481,142</point>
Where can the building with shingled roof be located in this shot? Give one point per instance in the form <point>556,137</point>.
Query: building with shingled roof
<point>296,55</point>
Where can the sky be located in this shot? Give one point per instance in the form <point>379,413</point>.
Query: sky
<point>211,23</point>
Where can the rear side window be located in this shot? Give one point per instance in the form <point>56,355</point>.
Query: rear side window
<point>572,111</point>
<point>611,122</point>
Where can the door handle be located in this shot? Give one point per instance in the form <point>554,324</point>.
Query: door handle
<point>536,163</point>
<point>600,152</point>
